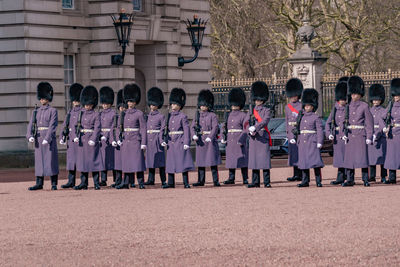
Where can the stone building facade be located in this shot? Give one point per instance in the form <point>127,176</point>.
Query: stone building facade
<point>66,41</point>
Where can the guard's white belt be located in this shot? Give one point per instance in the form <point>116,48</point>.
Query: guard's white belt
<point>175,132</point>
<point>396,125</point>
<point>153,131</point>
<point>292,123</point>
<point>376,126</point>
<point>206,132</point>
<point>131,129</point>
<point>87,130</point>
<point>355,127</point>
<point>235,130</point>
<point>105,129</point>
<point>308,132</point>
<point>42,128</point>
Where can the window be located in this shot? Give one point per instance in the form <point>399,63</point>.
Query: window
<point>68,4</point>
<point>137,5</point>
<point>69,76</point>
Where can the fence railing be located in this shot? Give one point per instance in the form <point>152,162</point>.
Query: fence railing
<point>276,85</point>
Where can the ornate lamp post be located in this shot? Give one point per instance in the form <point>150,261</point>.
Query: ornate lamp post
<point>195,30</point>
<point>123,26</point>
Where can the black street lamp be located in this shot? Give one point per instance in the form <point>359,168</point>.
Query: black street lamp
<point>123,26</point>
<point>195,29</point>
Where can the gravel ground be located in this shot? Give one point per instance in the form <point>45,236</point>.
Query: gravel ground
<point>227,226</point>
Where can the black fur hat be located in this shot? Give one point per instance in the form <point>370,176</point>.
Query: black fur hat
<point>376,92</point>
<point>355,85</point>
<point>259,91</point>
<point>343,79</point>
<point>237,97</point>
<point>294,87</point>
<point>395,87</point>
<point>341,91</point>
<point>106,95</point>
<point>120,99</point>
<point>75,92</point>
<point>205,98</point>
<point>132,93</point>
<point>44,91</point>
<point>89,96</point>
<point>177,96</point>
<point>155,97</point>
<point>310,97</point>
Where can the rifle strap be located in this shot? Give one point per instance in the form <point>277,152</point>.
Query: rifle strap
<point>259,119</point>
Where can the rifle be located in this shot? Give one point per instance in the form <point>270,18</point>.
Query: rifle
<point>225,133</point>
<point>115,124</point>
<point>166,129</point>
<point>78,126</point>
<point>252,119</point>
<point>121,126</point>
<point>333,121</point>
<point>65,133</point>
<point>34,127</point>
<point>296,130</point>
<point>197,127</point>
<point>346,121</point>
<point>388,120</point>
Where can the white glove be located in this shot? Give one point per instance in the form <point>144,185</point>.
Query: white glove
<point>368,141</point>
<point>385,130</point>
<point>44,142</point>
<point>143,147</point>
<point>208,140</point>
<point>91,143</point>
<point>345,138</point>
<point>76,140</point>
<point>331,137</point>
<point>195,137</point>
<point>163,144</point>
<point>223,141</point>
<point>252,129</point>
<point>253,133</point>
<point>185,147</point>
<point>103,138</point>
<point>319,145</point>
<point>114,144</point>
<point>62,142</point>
<point>119,143</point>
<point>373,138</point>
<point>292,141</point>
<point>31,139</point>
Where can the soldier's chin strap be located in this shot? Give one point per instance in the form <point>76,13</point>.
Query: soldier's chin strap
<point>259,119</point>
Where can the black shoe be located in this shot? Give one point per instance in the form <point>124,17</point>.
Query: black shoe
<point>133,185</point>
<point>336,182</point>
<point>366,183</point>
<point>390,182</point>
<point>80,187</point>
<point>383,180</point>
<point>35,187</point>
<point>149,183</point>
<point>68,185</point>
<point>97,187</point>
<point>122,186</point>
<point>303,185</point>
<point>165,186</point>
<point>267,185</point>
<point>188,186</point>
<point>230,182</point>
<point>141,186</point>
<point>253,185</point>
<point>217,184</point>
<point>245,182</point>
<point>114,185</point>
<point>198,184</point>
<point>293,179</point>
<point>103,183</point>
<point>319,185</point>
<point>372,179</point>
<point>53,187</point>
<point>162,184</point>
<point>348,183</point>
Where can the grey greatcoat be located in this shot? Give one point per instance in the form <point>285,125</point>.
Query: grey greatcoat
<point>377,150</point>
<point>107,150</point>
<point>392,161</point>
<point>338,143</point>
<point>236,146</point>
<point>155,155</point>
<point>72,148</point>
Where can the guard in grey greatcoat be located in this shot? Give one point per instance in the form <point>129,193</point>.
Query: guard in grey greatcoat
<point>360,129</point>
<point>204,132</point>
<point>87,132</point>
<point>42,132</point>
<point>107,116</point>
<point>377,150</point>
<point>177,140</point>
<point>259,136</point>
<point>155,154</point>
<point>294,88</point>
<point>134,139</point>
<point>334,130</point>
<point>236,150</point>
<point>392,131</point>
<point>310,137</point>
<point>68,135</point>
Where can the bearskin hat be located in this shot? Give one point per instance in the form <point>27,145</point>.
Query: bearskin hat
<point>44,91</point>
<point>343,79</point>
<point>120,99</point>
<point>205,98</point>
<point>355,85</point>
<point>132,93</point>
<point>106,95</point>
<point>341,91</point>
<point>376,92</point>
<point>155,97</point>
<point>310,97</point>
<point>259,91</point>
<point>395,87</point>
<point>294,87</point>
<point>89,96</point>
<point>178,96</point>
<point>75,92</point>
<point>237,97</point>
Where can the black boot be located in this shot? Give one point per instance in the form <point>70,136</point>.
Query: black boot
<point>372,171</point>
<point>38,185</point>
<point>365,177</point>
<point>84,181</point>
<point>267,178</point>
<point>383,174</point>
<point>255,179</point>
<point>185,177</point>
<point>151,178</point>
<point>296,175</point>
<point>245,175</point>
<point>114,172</point>
<point>214,172</point>
<point>71,180</point>
<point>171,181</point>
<point>162,176</point>
<point>140,179</point>
<point>132,180</point>
<point>231,179</point>
<point>305,182</point>
<point>118,178</point>
<point>201,172</point>
<point>125,183</point>
<point>340,177</point>
<point>54,181</point>
<point>318,176</point>
<point>350,178</point>
<point>103,178</point>
<point>96,176</point>
<point>392,177</point>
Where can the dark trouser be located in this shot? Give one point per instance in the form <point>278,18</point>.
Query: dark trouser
<point>201,171</point>
<point>392,175</point>
<point>296,172</point>
<point>129,178</point>
<point>341,175</point>
<point>350,174</point>
<point>152,175</point>
<point>306,176</point>
<point>104,176</point>
<point>171,178</point>
<point>85,178</point>
<point>53,179</point>
<point>244,171</point>
<point>255,179</point>
<point>372,172</point>
<point>118,177</point>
